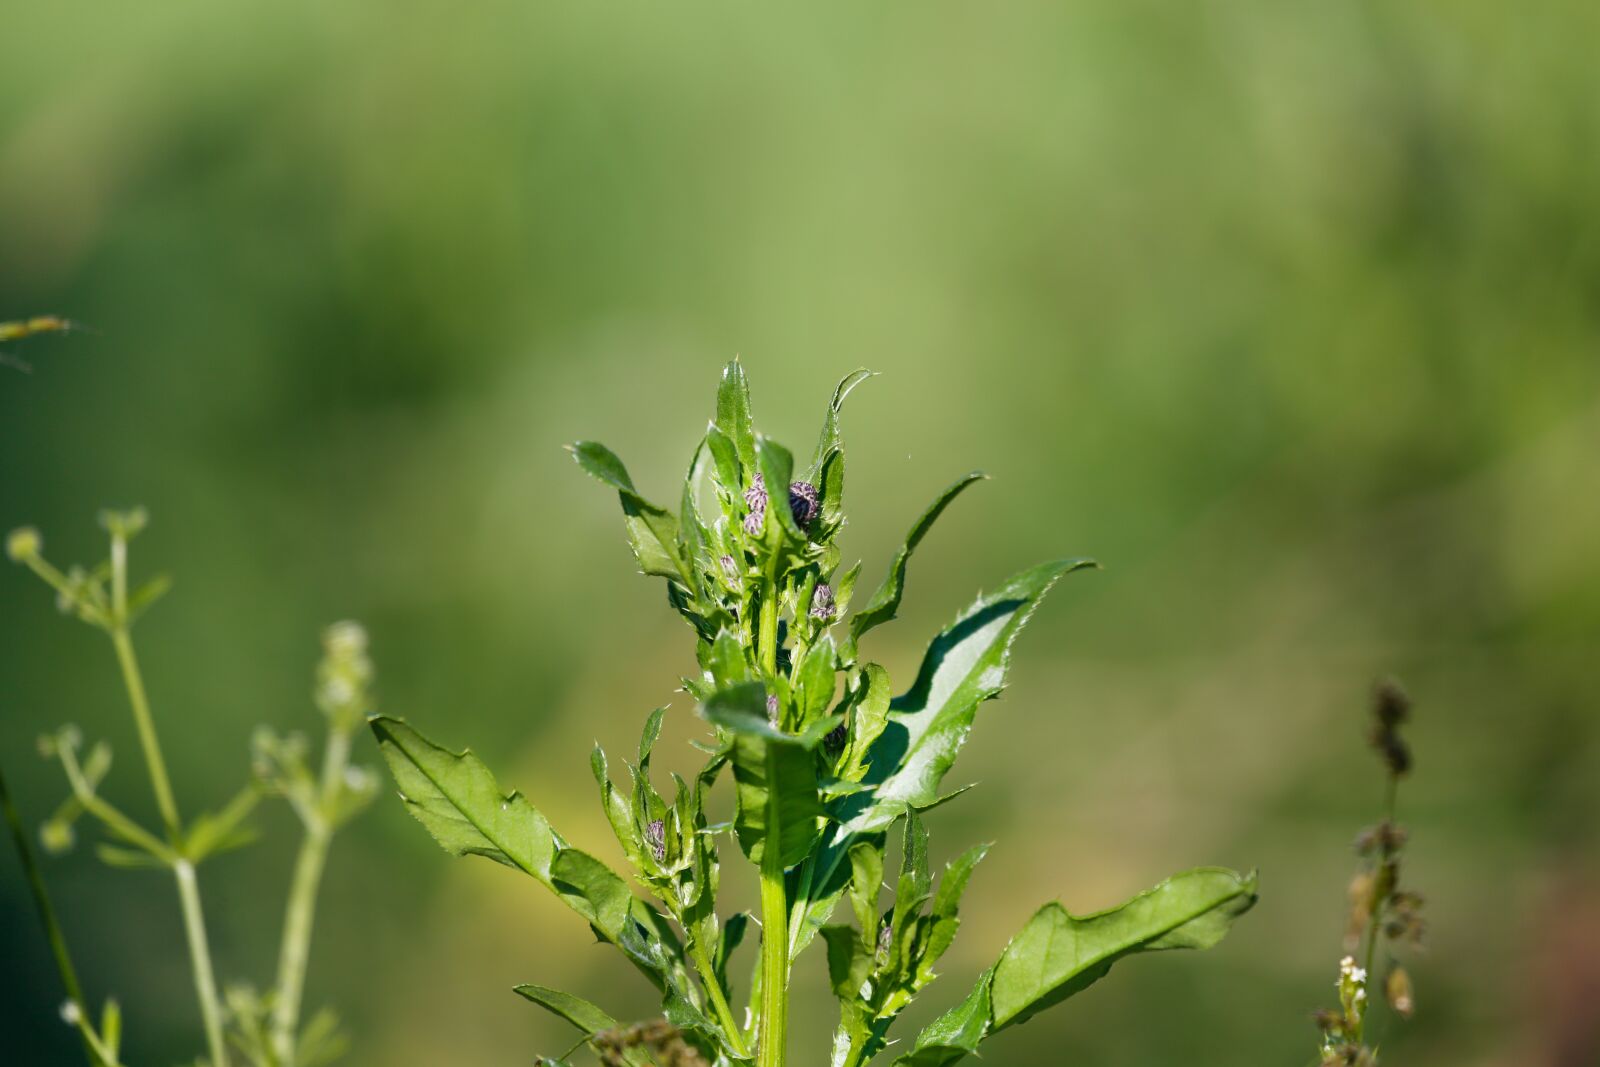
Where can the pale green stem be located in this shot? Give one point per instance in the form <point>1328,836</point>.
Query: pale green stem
<point>302,907</point>
<point>774,898</point>
<point>719,1000</point>
<point>774,955</point>
<point>205,983</point>
<point>147,730</point>
<point>194,925</point>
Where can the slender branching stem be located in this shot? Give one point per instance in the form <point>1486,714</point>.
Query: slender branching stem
<point>148,741</point>
<point>107,813</point>
<point>52,930</point>
<point>719,999</point>
<point>205,982</point>
<point>194,926</point>
<point>300,914</point>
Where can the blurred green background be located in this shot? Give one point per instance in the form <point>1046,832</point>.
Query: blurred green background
<point>1286,312</point>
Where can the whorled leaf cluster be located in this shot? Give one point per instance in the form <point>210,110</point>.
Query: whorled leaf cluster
<point>824,761</point>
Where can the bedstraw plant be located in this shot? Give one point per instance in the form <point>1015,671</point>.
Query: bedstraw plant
<point>826,764</point>
<point>261,1029</point>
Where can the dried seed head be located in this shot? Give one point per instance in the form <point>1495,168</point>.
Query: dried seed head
<point>1390,708</point>
<point>822,605</point>
<point>655,835</point>
<point>1390,704</point>
<point>1398,989</point>
<point>803,503</point>
<point>755,500</point>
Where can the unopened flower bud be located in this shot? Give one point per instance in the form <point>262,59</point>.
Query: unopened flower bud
<point>803,503</point>
<point>345,639</point>
<point>730,567</point>
<point>755,499</point>
<point>772,710</point>
<point>56,836</point>
<point>655,835</point>
<point>822,605</point>
<point>71,1014</point>
<point>23,544</point>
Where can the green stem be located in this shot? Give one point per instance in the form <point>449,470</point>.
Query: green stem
<point>205,983</point>
<point>719,999</point>
<point>774,956</point>
<point>300,914</point>
<point>147,730</point>
<point>768,650</point>
<point>194,926</point>
<point>52,928</point>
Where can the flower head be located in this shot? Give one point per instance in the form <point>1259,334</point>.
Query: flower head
<point>822,606</point>
<point>755,499</point>
<point>803,503</point>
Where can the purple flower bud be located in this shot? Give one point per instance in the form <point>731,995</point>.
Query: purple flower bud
<point>755,499</point>
<point>730,568</point>
<point>772,710</point>
<point>655,835</point>
<point>822,605</point>
<point>803,503</point>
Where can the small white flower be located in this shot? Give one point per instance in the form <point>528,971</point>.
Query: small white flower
<point>70,1013</point>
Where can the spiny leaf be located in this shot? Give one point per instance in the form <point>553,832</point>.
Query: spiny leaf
<point>827,463</point>
<point>581,1013</point>
<point>849,961</point>
<point>1057,954</point>
<point>828,442</point>
<point>955,1034</point>
<point>733,413</point>
<point>652,529</point>
<point>775,776</point>
<point>886,601</point>
<point>965,665</point>
<point>457,799</point>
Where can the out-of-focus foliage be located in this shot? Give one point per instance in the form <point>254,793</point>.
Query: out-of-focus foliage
<point>1286,313</point>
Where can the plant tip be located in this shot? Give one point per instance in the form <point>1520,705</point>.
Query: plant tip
<point>23,544</point>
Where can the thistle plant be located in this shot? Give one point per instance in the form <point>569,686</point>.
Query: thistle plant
<point>826,764</point>
<point>264,1029</point>
<point>1381,912</point>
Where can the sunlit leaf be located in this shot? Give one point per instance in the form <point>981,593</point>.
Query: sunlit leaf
<point>965,665</point>
<point>652,529</point>
<point>1058,954</point>
<point>886,601</point>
